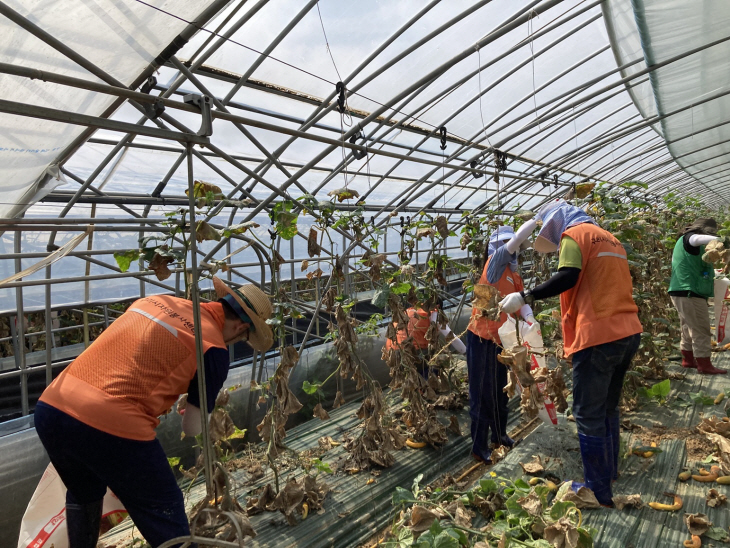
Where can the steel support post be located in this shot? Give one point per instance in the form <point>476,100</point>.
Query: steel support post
<point>208,455</point>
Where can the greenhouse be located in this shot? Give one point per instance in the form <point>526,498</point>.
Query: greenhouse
<point>439,274</point>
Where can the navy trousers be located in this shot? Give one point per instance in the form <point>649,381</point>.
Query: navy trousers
<point>598,377</point>
<point>89,460</point>
<point>487,401</point>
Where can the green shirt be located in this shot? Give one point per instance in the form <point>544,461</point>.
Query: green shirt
<point>570,254</point>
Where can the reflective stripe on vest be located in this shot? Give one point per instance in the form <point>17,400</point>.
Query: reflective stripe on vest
<point>508,283</point>
<point>137,368</point>
<point>600,307</point>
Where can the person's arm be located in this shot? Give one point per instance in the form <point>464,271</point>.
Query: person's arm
<point>215,362</point>
<point>561,281</point>
<point>191,420</point>
<point>520,236</point>
<point>697,240</point>
<point>508,252</point>
<point>456,343</point>
<point>569,266</point>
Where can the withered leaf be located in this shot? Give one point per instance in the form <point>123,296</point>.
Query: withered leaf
<point>343,194</point>
<point>313,247</point>
<point>339,400</point>
<point>203,232</point>
<point>320,413</point>
<point>442,225</point>
<point>159,265</point>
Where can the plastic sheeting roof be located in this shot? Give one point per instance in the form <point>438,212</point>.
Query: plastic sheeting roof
<point>691,95</point>
<point>538,80</point>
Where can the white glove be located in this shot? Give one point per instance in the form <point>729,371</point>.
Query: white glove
<point>511,303</point>
<point>527,314</point>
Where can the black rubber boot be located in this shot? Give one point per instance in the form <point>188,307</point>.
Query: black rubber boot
<point>83,522</point>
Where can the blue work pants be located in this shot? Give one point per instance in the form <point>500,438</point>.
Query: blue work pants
<point>598,377</point>
<point>487,400</point>
<point>89,460</point>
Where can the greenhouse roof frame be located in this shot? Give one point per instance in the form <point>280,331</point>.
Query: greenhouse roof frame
<point>277,132</point>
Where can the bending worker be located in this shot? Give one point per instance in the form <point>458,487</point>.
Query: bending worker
<point>487,376</point>
<point>692,283</point>
<point>601,330</point>
<point>418,323</point>
<point>97,419</point>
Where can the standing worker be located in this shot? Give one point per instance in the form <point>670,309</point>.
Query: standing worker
<point>97,420</point>
<point>601,330</point>
<point>693,282</point>
<point>487,376</point>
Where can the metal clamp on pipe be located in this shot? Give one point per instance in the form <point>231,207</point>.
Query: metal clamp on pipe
<point>203,102</point>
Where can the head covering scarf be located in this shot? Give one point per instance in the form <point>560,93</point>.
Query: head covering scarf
<point>557,217</point>
<point>498,238</point>
<point>702,225</point>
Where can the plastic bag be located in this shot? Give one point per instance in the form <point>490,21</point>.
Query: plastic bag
<point>532,339</point>
<point>722,327</point>
<point>44,521</point>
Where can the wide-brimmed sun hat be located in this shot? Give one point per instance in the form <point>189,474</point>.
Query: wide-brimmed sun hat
<point>256,307</point>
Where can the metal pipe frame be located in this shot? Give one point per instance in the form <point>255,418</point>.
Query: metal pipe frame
<point>518,185</point>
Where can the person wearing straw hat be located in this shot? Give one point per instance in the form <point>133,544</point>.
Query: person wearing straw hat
<point>601,330</point>
<point>97,419</point>
<point>487,377</point>
<point>692,283</point>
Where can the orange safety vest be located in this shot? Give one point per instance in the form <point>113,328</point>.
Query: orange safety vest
<point>599,308</point>
<point>418,324</point>
<point>137,368</point>
<point>510,282</point>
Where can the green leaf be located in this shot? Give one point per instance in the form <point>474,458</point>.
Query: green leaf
<point>702,399</point>
<point>124,258</point>
<point>310,388</point>
<point>238,434</point>
<point>559,509</point>
<point>488,486</point>
<point>522,484</point>
<point>401,496</point>
<point>380,297</point>
<point>446,540</point>
<point>717,533</point>
<point>322,466</point>
<point>661,389</point>
<point>173,461</point>
<point>401,288</point>
<point>585,538</point>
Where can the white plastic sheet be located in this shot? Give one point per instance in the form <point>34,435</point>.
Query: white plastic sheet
<point>119,37</point>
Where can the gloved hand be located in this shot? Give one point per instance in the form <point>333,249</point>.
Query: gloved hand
<point>511,303</point>
<point>526,327</point>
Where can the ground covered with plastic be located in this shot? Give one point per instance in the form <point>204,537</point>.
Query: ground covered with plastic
<point>358,506</point>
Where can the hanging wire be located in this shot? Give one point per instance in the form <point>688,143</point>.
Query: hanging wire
<point>466,142</point>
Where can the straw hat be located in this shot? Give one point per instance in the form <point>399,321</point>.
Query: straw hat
<point>257,306</point>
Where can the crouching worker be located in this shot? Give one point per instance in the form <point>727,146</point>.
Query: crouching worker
<point>601,330</point>
<point>97,419</point>
<point>692,283</point>
<point>418,324</point>
<point>487,376</point>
